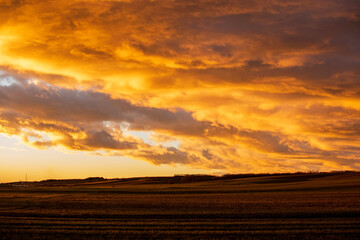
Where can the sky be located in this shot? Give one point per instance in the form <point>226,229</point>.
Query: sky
<point>120,88</point>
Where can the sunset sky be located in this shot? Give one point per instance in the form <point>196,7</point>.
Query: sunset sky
<point>152,87</point>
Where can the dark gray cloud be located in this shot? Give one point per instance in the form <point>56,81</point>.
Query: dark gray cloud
<point>30,104</point>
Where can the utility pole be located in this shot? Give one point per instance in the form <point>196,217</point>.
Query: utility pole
<point>26,177</point>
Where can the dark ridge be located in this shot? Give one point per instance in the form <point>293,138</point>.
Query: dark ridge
<point>188,178</point>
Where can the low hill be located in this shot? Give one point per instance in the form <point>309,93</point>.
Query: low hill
<point>206,183</point>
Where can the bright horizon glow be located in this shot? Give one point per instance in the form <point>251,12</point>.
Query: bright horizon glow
<point>55,164</point>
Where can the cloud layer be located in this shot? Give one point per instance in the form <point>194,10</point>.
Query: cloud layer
<point>251,86</point>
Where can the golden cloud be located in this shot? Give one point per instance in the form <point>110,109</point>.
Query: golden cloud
<point>244,86</point>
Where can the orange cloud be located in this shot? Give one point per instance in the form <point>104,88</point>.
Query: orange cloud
<point>243,86</point>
